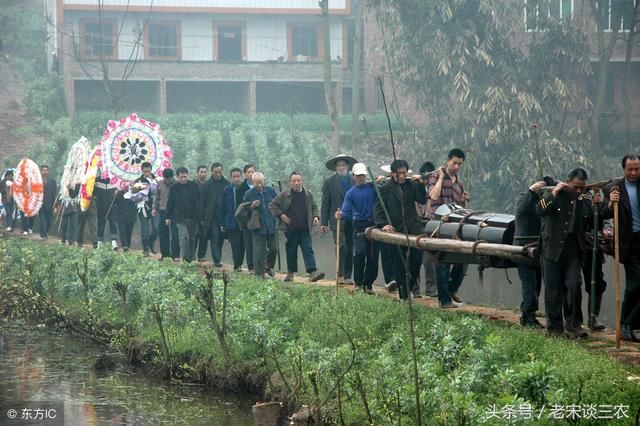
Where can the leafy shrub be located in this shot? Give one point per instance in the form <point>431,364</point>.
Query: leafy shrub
<point>300,345</point>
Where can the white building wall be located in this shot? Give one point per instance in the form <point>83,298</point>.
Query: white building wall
<point>248,4</point>
<point>266,34</point>
<point>197,37</point>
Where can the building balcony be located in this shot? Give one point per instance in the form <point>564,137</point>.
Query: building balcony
<point>273,71</point>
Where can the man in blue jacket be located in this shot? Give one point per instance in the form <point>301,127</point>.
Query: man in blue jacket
<point>230,201</point>
<point>358,205</point>
<point>265,248</point>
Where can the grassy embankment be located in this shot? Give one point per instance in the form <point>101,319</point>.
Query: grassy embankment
<point>298,344</point>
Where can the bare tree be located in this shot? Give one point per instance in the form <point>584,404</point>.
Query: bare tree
<point>329,91</point>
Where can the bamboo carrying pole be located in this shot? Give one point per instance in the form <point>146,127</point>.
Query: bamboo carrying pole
<point>453,246</point>
<point>338,220</point>
<point>616,231</point>
<point>594,256</point>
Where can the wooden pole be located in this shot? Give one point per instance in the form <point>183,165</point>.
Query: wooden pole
<point>337,253</point>
<point>594,257</point>
<point>616,231</point>
<point>448,245</point>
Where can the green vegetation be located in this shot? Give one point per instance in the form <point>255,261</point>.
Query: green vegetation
<point>350,356</point>
<point>276,143</point>
<point>23,39</point>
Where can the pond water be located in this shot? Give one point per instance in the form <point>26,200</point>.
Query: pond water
<point>43,369</point>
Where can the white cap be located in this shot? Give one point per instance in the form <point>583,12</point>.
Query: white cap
<point>359,169</point>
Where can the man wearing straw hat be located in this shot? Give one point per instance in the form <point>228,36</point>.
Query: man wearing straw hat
<point>626,191</point>
<point>333,190</point>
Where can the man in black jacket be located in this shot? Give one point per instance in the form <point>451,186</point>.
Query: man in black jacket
<point>202,235</point>
<point>564,215</point>
<point>333,190</point>
<point>399,196</point>
<point>105,195</point>
<point>45,216</point>
<point>528,231</point>
<point>211,220</point>
<point>626,191</point>
<point>247,235</point>
<point>182,209</point>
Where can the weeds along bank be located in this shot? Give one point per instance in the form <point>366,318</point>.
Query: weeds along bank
<point>295,343</point>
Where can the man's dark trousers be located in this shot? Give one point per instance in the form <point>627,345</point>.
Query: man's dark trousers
<point>563,288</point>
<point>214,239</point>
<point>448,279</point>
<point>531,279</point>
<point>300,239</point>
<point>630,313</point>
<point>236,239</point>
<point>248,247</point>
<point>414,260</point>
<point>365,258</point>
<point>45,217</point>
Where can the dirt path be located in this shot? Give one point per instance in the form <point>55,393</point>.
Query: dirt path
<point>601,342</point>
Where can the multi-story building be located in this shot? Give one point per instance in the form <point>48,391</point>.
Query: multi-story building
<point>170,56</point>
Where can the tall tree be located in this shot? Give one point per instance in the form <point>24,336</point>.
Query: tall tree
<point>634,18</point>
<point>329,90</point>
<point>356,73</point>
<point>607,27</point>
<point>483,86</point>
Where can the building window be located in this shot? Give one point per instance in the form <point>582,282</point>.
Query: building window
<point>97,39</point>
<point>163,40</point>
<point>539,13</point>
<point>304,42</point>
<point>618,15</point>
<point>230,42</point>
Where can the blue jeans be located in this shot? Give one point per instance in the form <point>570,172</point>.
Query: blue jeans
<point>449,278</point>
<point>300,239</point>
<point>113,226</point>
<point>69,229</point>
<point>148,231</point>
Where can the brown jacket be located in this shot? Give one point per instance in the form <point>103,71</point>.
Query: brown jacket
<point>282,203</point>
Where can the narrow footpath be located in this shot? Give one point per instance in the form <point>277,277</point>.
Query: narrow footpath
<point>603,342</point>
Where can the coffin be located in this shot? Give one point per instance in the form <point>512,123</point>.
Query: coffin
<point>452,221</point>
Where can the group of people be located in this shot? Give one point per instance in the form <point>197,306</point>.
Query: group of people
<point>189,216</point>
<point>559,216</point>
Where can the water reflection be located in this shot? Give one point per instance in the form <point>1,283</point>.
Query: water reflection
<point>57,368</point>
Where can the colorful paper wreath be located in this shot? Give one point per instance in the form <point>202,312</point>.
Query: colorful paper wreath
<point>127,144</point>
<point>28,190</point>
<point>75,167</point>
<point>89,178</point>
